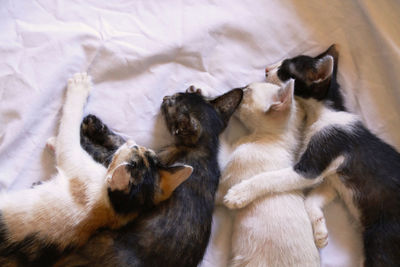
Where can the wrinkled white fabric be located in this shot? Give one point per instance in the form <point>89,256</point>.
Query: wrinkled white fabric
<point>139,51</point>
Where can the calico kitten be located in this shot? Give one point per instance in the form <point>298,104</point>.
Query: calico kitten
<point>353,163</point>
<point>176,232</point>
<point>37,225</point>
<point>274,230</point>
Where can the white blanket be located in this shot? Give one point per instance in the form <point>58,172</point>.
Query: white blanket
<point>139,51</point>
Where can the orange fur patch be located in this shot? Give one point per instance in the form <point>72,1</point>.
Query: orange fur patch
<point>100,215</point>
<point>78,191</point>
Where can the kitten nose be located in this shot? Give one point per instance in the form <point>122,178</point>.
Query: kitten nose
<point>266,72</point>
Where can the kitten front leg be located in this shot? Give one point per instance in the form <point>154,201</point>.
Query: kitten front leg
<point>69,154</point>
<point>314,203</point>
<point>284,180</point>
<point>279,181</point>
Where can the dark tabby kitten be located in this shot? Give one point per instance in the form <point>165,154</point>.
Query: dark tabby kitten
<point>177,231</point>
<point>346,157</point>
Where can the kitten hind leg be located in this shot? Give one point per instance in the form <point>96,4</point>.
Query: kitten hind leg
<point>93,128</point>
<point>98,140</point>
<point>314,203</point>
<point>99,153</point>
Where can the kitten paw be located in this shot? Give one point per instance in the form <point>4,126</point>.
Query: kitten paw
<point>80,82</point>
<point>238,196</point>
<point>93,128</point>
<point>320,232</point>
<point>98,133</point>
<point>51,143</point>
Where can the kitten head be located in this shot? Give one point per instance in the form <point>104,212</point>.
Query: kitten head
<point>137,180</point>
<point>312,75</point>
<point>190,117</point>
<point>266,106</point>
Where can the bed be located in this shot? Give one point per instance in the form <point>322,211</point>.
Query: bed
<point>139,51</point>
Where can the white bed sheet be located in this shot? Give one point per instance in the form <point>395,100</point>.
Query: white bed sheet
<point>139,51</point>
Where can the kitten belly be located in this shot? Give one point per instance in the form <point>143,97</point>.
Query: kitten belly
<point>275,231</point>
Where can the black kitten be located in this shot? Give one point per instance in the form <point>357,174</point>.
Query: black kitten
<point>175,233</point>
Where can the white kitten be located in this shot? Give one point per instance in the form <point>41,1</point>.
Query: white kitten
<point>273,230</point>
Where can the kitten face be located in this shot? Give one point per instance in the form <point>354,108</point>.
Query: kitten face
<point>312,75</point>
<point>137,180</point>
<point>181,112</point>
<point>265,105</point>
<point>189,117</point>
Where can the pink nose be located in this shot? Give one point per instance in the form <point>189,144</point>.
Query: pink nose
<point>266,70</point>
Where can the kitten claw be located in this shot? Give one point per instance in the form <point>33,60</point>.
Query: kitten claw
<point>238,196</point>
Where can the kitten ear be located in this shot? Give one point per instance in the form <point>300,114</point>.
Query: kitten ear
<point>284,97</point>
<point>324,68</point>
<point>331,51</point>
<point>119,179</point>
<point>171,178</point>
<point>227,103</point>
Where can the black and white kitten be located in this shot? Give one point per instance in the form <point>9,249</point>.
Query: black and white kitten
<point>343,155</point>
<point>176,232</point>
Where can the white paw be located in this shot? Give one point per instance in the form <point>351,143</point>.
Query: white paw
<point>239,196</point>
<point>80,82</point>
<point>320,232</point>
<point>51,143</point>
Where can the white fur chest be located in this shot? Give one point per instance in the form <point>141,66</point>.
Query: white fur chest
<point>262,154</point>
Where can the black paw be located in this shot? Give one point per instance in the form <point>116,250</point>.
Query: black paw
<point>94,129</point>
